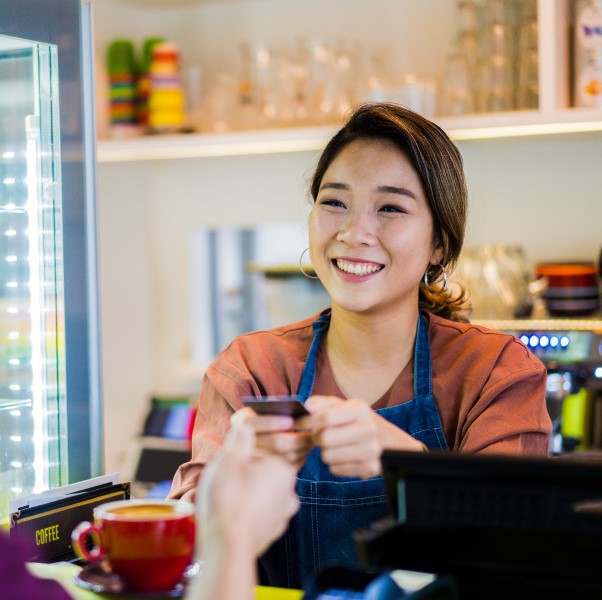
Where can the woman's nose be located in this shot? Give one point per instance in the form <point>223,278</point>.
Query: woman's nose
<point>357,231</point>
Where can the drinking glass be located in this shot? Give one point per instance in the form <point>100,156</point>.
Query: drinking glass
<point>321,83</point>
<point>458,96</point>
<point>497,277</point>
<point>500,75</point>
<point>527,93</point>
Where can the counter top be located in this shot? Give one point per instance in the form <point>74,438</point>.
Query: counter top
<point>65,572</point>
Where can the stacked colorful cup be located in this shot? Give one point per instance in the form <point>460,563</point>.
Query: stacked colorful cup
<point>122,84</point>
<point>144,79</point>
<point>166,106</point>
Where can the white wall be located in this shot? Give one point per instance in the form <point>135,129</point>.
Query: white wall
<point>127,303</point>
<point>542,193</point>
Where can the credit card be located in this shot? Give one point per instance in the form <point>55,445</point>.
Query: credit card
<point>289,406</point>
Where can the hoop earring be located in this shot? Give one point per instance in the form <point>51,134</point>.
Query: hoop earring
<point>305,273</point>
<point>425,279</point>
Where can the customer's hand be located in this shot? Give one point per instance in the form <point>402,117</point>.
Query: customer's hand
<point>277,434</point>
<point>246,497</point>
<point>352,436</point>
<point>244,501</point>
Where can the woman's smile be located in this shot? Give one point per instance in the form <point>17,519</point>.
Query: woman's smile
<point>358,268</point>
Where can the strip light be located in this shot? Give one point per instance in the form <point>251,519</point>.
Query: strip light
<point>35,308</point>
<point>524,130</point>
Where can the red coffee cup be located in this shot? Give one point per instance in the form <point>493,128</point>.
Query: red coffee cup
<point>148,543</point>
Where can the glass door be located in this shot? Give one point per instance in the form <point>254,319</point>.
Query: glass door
<point>33,452</point>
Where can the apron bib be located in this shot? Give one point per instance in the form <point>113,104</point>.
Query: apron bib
<point>333,507</point>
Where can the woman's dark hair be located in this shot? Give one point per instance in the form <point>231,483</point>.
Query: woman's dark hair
<point>439,165</point>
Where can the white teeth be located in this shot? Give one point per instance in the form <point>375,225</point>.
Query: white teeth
<point>357,268</point>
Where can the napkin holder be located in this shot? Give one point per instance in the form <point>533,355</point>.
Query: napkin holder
<point>47,526</point>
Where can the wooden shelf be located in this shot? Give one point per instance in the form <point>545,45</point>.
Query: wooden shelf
<point>202,145</point>
<point>577,324</point>
<point>146,4</point>
<point>279,270</point>
<point>305,139</point>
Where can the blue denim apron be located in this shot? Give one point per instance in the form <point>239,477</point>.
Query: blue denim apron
<point>333,507</point>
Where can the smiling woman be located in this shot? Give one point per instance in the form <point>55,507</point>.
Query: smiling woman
<point>434,172</point>
<point>392,364</point>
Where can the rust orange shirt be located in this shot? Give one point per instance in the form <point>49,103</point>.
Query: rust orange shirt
<point>488,386</point>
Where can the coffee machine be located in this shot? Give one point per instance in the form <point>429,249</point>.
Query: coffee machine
<point>562,382</point>
<point>571,350</point>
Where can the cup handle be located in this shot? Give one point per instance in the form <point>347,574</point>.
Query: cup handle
<point>79,539</point>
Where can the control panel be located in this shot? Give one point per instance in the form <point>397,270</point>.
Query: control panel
<point>566,347</point>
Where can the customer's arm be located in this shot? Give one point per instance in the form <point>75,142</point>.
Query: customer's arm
<point>15,579</point>
<point>244,502</point>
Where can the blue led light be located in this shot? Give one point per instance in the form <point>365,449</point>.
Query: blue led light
<point>533,341</point>
<point>598,372</point>
<point>544,340</point>
<point>524,339</point>
<point>564,341</point>
<point>554,341</point>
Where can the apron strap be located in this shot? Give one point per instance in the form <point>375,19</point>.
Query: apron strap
<point>423,380</point>
<point>309,370</point>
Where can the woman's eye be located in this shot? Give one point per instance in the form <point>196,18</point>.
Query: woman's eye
<point>392,209</point>
<point>332,202</point>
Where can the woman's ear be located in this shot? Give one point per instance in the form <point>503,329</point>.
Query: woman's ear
<point>437,255</point>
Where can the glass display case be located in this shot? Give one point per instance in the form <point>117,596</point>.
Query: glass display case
<point>50,426</point>
<point>32,366</point>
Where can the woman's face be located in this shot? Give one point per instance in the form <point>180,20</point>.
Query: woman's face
<point>371,229</point>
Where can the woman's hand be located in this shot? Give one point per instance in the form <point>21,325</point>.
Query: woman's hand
<point>352,435</point>
<point>277,435</point>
